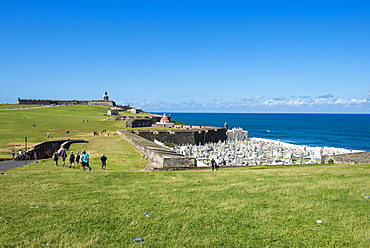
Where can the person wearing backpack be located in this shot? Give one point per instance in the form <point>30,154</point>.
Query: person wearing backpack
<point>71,160</point>
<point>103,161</point>
<point>63,155</point>
<point>56,157</point>
<point>78,159</point>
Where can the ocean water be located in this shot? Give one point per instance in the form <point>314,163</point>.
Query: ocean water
<point>350,131</point>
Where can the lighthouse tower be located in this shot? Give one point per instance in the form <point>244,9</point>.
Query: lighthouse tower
<point>105,96</point>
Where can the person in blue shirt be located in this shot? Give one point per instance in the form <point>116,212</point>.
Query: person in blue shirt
<point>13,155</point>
<point>85,160</point>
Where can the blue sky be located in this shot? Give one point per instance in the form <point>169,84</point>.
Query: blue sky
<point>191,56</point>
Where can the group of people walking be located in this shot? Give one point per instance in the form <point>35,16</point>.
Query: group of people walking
<point>76,160</point>
<point>23,155</point>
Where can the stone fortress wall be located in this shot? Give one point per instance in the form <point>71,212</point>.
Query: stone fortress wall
<point>176,134</point>
<point>193,136</point>
<point>108,103</point>
<point>163,158</point>
<point>160,158</point>
<point>140,121</point>
<point>46,149</point>
<point>348,158</point>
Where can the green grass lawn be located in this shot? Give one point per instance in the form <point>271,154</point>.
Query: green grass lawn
<point>43,205</point>
<point>244,207</point>
<point>80,121</point>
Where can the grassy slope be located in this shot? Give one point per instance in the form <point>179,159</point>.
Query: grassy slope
<point>17,124</point>
<point>244,207</point>
<point>80,121</point>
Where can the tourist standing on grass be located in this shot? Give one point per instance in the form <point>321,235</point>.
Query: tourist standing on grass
<point>20,153</point>
<point>103,161</point>
<point>85,160</point>
<point>56,157</point>
<point>71,160</point>
<point>213,164</point>
<point>13,155</point>
<point>63,155</point>
<point>78,158</point>
<point>217,161</point>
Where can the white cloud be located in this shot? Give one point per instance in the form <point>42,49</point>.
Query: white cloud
<point>350,102</point>
<point>321,101</point>
<point>298,102</point>
<point>272,102</point>
<point>303,104</point>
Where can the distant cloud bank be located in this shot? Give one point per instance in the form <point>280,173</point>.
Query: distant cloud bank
<point>326,103</point>
<point>258,104</point>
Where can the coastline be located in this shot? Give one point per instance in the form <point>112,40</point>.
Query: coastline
<point>347,131</point>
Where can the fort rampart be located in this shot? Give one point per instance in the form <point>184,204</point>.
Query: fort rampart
<point>47,148</point>
<point>184,136</point>
<point>140,121</point>
<point>348,158</point>
<point>160,158</point>
<point>107,103</point>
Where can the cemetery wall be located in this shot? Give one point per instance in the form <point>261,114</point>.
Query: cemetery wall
<point>348,158</point>
<point>160,158</point>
